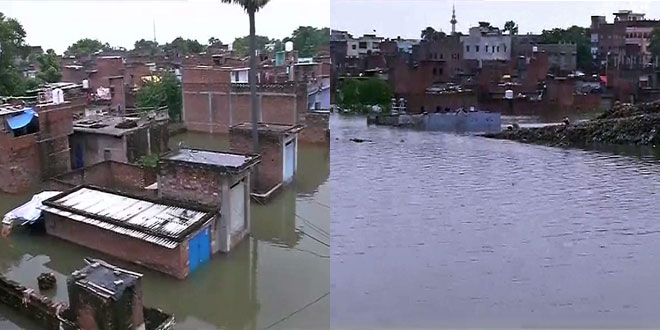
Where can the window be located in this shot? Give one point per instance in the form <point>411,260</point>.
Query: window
<point>435,71</point>
<point>498,49</point>
<point>440,71</point>
<point>441,56</point>
<point>467,48</point>
<point>354,46</point>
<point>476,48</point>
<point>486,48</point>
<point>363,45</point>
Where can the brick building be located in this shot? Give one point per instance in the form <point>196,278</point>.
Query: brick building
<point>34,144</point>
<point>219,179</point>
<point>278,147</point>
<point>118,138</point>
<point>211,103</point>
<point>170,237</point>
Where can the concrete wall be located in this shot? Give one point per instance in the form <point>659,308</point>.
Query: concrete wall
<point>94,145</point>
<point>170,261</point>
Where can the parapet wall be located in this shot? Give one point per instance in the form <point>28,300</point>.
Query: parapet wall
<point>317,129</point>
<point>26,301</point>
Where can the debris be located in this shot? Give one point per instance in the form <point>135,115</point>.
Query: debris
<point>357,140</point>
<point>46,281</point>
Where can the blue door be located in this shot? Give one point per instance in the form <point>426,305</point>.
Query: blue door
<point>289,161</point>
<point>199,249</point>
<point>80,160</point>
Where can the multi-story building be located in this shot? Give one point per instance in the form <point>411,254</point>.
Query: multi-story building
<point>366,45</point>
<point>486,43</point>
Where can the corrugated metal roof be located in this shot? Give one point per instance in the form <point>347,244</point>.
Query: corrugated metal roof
<point>157,223</point>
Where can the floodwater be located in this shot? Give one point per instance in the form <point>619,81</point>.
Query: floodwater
<point>277,279</point>
<point>434,230</point>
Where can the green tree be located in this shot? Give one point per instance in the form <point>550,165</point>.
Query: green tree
<point>86,46</point>
<point>511,26</point>
<point>214,41</point>
<point>165,91</point>
<point>146,46</point>
<point>251,7</point>
<point>654,48</point>
<point>430,33</point>
<point>579,36</point>
<point>181,47</point>
<point>361,94</point>
<point>12,49</point>
<point>307,39</point>
<point>50,67</point>
<point>241,46</point>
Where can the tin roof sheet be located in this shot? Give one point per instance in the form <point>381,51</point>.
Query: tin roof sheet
<point>160,224</point>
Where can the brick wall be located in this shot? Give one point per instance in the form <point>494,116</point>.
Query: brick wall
<point>19,162</point>
<point>270,148</point>
<point>189,184</point>
<point>170,261</point>
<point>316,129</point>
<point>30,304</point>
<point>55,126</point>
<point>213,104</point>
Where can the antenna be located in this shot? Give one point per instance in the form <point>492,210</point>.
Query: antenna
<point>154,29</point>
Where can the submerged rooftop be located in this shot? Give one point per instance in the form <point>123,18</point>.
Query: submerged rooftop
<point>270,128</point>
<point>104,279</point>
<point>224,160</point>
<point>155,222</point>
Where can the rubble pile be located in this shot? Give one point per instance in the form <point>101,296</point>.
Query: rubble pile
<point>623,124</point>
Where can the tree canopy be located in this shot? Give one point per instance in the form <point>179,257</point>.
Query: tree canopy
<point>360,94</point>
<point>654,48</point>
<point>511,27</point>
<point>431,34</point>
<point>49,66</point>
<point>87,46</point>
<point>165,91</point>
<point>181,47</point>
<point>12,48</point>
<point>241,46</point>
<point>146,46</point>
<point>307,39</point>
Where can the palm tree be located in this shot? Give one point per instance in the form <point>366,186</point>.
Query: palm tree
<point>251,7</point>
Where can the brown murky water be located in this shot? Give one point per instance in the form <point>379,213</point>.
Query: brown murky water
<point>279,270</point>
<point>440,230</point>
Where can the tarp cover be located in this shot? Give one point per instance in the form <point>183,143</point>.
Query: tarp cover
<point>22,120</point>
<point>30,211</point>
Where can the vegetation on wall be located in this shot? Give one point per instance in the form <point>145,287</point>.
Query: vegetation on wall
<point>165,91</point>
<point>360,95</point>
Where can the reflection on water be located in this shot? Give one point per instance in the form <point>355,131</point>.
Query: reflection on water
<point>432,229</point>
<point>275,272</point>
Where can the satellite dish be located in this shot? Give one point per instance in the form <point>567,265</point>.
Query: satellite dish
<point>288,46</point>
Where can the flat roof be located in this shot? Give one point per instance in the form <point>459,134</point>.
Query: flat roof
<point>271,127</point>
<point>105,279</point>
<point>230,161</point>
<point>106,124</point>
<point>151,221</point>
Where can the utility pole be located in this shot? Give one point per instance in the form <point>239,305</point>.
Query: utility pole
<point>154,29</point>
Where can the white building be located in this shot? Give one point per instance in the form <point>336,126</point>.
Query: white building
<point>367,44</point>
<point>486,43</point>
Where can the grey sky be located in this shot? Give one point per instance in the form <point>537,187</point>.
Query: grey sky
<point>58,24</point>
<point>406,18</point>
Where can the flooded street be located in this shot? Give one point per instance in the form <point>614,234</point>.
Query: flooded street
<point>279,270</point>
<point>439,230</point>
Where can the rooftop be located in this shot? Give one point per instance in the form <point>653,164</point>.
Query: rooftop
<point>229,161</point>
<point>270,128</point>
<point>107,124</point>
<point>155,222</point>
<point>104,279</point>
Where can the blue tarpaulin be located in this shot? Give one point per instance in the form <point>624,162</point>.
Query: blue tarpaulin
<point>23,119</point>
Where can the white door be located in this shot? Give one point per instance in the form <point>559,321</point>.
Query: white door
<point>238,207</point>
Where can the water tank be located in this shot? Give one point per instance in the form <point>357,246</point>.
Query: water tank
<point>535,49</point>
<point>85,84</point>
<point>288,46</point>
<point>54,96</point>
<point>508,94</point>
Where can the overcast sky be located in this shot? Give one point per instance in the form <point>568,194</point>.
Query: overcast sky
<point>406,18</point>
<point>58,24</point>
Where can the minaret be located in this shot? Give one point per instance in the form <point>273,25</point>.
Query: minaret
<point>453,19</point>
